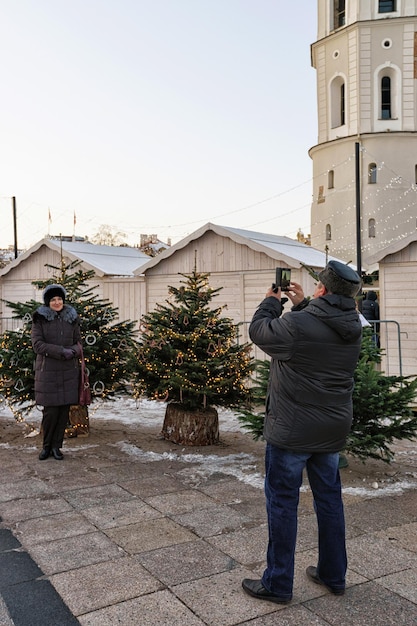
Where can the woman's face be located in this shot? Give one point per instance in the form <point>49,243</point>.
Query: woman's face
<point>56,303</point>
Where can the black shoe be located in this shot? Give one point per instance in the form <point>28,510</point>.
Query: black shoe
<point>311,572</point>
<point>57,454</point>
<point>44,454</point>
<point>256,589</point>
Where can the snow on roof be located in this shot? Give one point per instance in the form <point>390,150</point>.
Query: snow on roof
<point>104,260</point>
<point>110,260</point>
<point>293,252</point>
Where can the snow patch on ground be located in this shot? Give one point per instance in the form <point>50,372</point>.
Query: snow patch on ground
<point>241,466</point>
<point>144,413</point>
<point>150,414</point>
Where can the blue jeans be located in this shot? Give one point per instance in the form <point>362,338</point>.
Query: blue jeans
<point>283,479</point>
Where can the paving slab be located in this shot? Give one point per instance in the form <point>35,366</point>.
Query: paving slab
<point>374,557</point>
<point>100,494</point>
<point>27,488</point>
<point>294,616</point>
<point>365,605</point>
<point>225,602</point>
<point>180,502</point>
<point>23,509</point>
<point>246,546</point>
<point>157,609</point>
<point>66,554</point>
<point>404,536</point>
<point>149,535</point>
<point>403,583</point>
<point>104,584</point>
<point>213,520</point>
<point>188,561</point>
<point>147,486</point>
<point>125,513</point>
<point>53,527</point>
<point>224,491</point>
<point>373,514</point>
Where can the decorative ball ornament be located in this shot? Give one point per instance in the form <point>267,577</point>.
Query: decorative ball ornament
<point>98,387</point>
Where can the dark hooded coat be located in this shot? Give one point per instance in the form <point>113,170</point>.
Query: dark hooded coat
<point>370,308</point>
<point>314,352</point>
<point>56,379</point>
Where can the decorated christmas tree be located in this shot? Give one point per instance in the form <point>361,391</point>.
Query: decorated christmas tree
<point>189,357</point>
<point>108,344</point>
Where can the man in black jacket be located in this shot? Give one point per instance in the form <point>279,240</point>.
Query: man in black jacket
<point>314,350</point>
<point>370,310</point>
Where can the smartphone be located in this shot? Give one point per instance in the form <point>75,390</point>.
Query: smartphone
<point>282,278</point>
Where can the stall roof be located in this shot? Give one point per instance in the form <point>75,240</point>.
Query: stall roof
<point>104,260</point>
<point>278,247</point>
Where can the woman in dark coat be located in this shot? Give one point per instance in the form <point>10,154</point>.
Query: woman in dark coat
<point>55,337</point>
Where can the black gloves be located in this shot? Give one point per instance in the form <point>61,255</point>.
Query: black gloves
<point>68,354</point>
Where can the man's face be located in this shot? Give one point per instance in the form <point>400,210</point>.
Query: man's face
<point>56,303</point>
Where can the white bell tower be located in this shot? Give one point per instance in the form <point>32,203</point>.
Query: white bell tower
<point>365,57</point>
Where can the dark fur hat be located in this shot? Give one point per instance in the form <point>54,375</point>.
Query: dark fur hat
<point>340,279</point>
<point>51,291</point>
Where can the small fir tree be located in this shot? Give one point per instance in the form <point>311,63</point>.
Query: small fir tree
<point>381,406</point>
<point>189,357</point>
<point>382,410</point>
<point>108,344</point>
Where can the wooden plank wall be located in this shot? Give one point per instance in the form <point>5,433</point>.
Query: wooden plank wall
<point>126,294</point>
<point>398,299</point>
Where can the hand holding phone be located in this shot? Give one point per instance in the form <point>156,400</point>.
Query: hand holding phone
<point>282,279</point>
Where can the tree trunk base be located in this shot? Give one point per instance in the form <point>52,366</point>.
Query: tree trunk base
<point>80,424</point>
<point>191,428</point>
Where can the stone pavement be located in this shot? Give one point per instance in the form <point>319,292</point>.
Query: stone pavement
<point>119,534</point>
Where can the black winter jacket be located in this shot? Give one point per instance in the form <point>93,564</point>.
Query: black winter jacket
<point>370,308</point>
<point>314,352</point>
<point>56,379</point>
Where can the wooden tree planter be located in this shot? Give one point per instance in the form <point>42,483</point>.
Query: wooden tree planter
<point>191,427</point>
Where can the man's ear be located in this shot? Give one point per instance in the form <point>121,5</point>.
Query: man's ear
<point>321,290</point>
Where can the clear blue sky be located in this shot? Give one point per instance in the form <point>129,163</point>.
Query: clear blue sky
<point>156,116</point>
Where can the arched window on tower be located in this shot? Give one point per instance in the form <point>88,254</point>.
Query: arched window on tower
<point>372,169</point>
<point>328,232</point>
<point>386,6</point>
<point>371,228</point>
<point>330,179</point>
<point>337,102</point>
<point>339,13</point>
<point>415,174</point>
<point>386,98</point>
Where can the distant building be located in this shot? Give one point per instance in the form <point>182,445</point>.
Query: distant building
<point>151,245</point>
<point>7,255</point>
<point>365,62</point>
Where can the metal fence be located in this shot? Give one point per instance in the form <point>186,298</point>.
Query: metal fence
<point>389,334</point>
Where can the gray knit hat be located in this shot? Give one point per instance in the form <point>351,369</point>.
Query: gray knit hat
<point>51,291</point>
<point>340,279</point>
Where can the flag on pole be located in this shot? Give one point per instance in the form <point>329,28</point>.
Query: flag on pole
<point>49,216</point>
<point>75,219</point>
